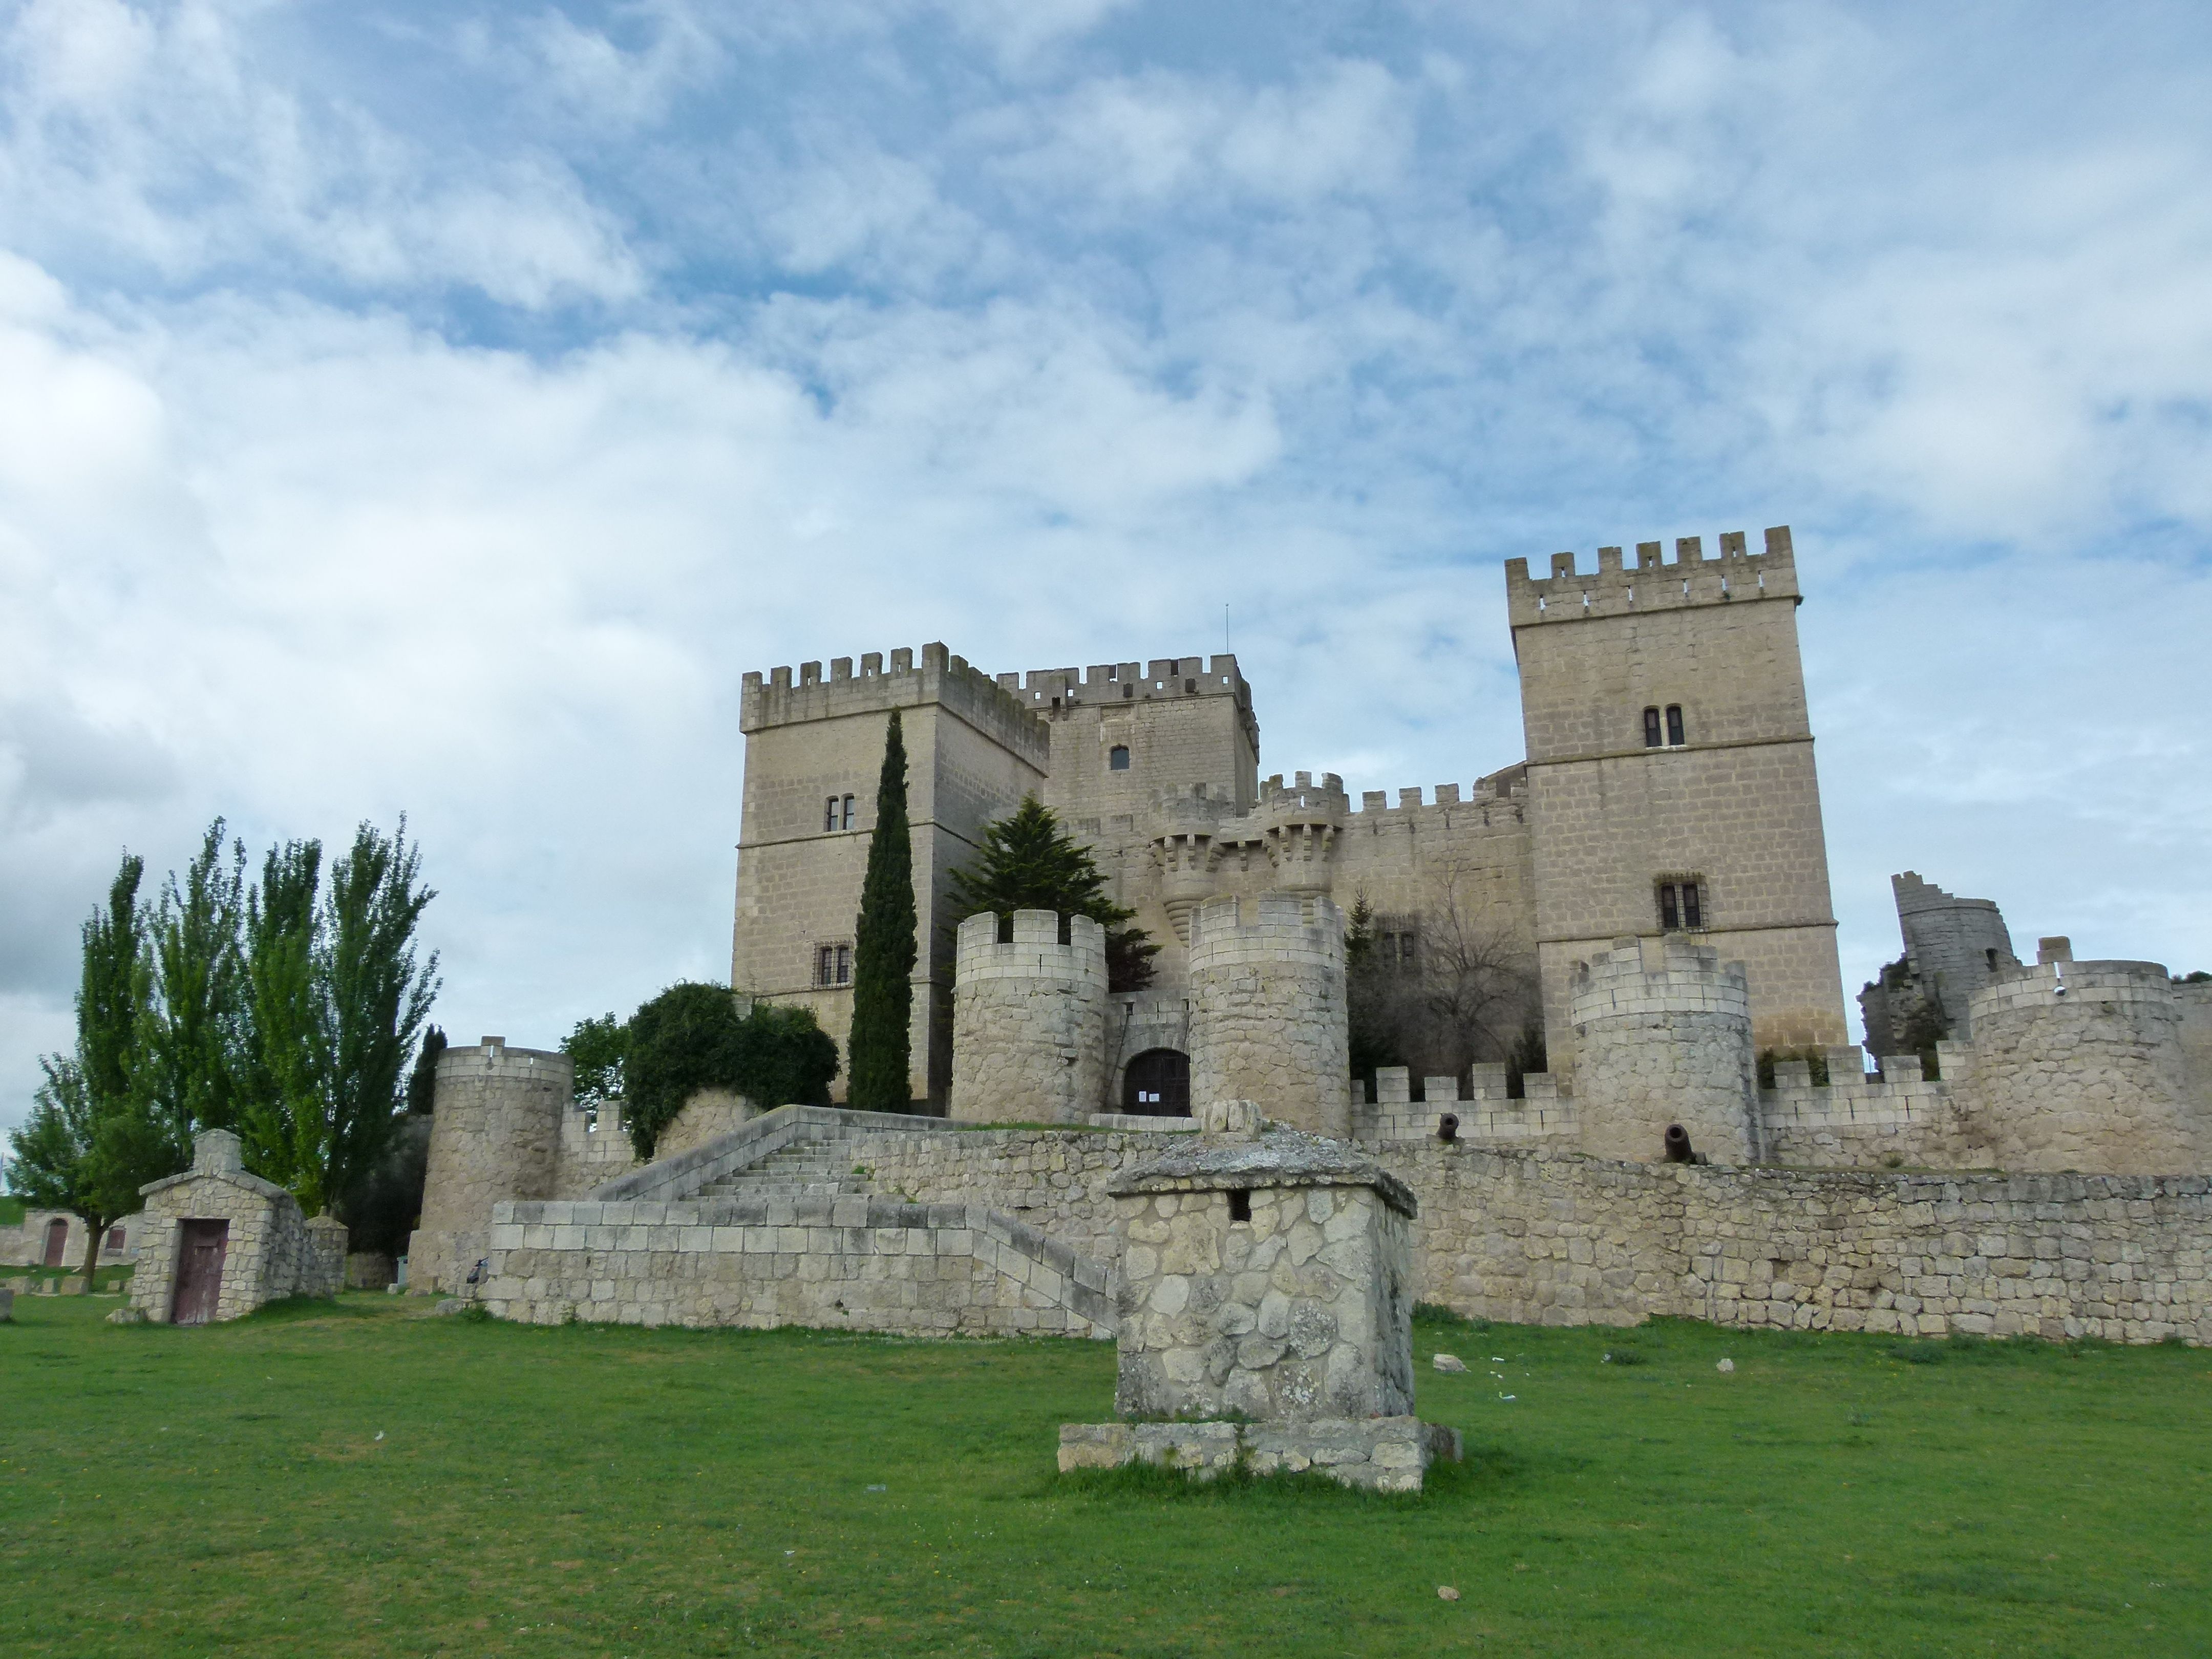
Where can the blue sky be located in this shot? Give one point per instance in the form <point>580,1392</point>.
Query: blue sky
<point>437,408</point>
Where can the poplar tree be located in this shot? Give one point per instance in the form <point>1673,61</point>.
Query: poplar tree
<point>89,1142</point>
<point>884,948</point>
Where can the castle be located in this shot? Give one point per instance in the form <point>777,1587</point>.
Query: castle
<point>1703,1140</point>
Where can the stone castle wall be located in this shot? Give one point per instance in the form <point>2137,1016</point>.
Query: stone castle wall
<point>1538,1236</point>
<point>495,1135</point>
<point>1662,1036</point>
<point>1268,1010</point>
<point>1029,1020</point>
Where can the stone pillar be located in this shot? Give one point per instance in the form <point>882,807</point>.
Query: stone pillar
<point>1662,1036</point>
<point>1267,1016</point>
<point>2081,1066</point>
<point>1029,1020</point>
<point>1272,1278</point>
<point>495,1136</point>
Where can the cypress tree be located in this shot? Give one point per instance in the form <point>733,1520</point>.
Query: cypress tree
<point>884,947</point>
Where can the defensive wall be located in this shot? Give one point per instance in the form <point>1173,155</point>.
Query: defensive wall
<point>1524,1235</point>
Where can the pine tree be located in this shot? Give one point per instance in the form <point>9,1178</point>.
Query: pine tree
<point>1028,862</point>
<point>883,951</point>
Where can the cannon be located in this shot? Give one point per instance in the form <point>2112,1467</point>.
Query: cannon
<point>1679,1150</point>
<point>1448,1127</point>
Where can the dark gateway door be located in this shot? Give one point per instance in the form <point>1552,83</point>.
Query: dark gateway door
<point>56,1240</point>
<point>200,1271</point>
<point>1158,1085</point>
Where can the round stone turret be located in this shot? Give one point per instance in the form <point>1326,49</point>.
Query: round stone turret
<point>1662,1036</point>
<point>1029,1020</point>
<point>494,1136</point>
<point>1267,1017</point>
<point>2080,1066</point>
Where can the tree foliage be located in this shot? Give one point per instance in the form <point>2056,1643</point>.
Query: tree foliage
<point>1437,991</point>
<point>1028,862</point>
<point>282,1009</point>
<point>423,1081</point>
<point>597,1048</point>
<point>90,1141</point>
<point>880,1045</point>
<point>691,1036</point>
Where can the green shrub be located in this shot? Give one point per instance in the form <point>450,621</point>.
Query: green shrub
<point>692,1037</point>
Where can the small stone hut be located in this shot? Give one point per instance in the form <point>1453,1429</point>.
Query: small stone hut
<point>1267,1285</point>
<point>219,1242</point>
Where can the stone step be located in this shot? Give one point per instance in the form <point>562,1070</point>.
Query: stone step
<point>771,1189</point>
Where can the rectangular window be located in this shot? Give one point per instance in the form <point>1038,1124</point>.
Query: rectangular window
<point>847,823</point>
<point>1681,904</point>
<point>830,813</point>
<point>1651,734</point>
<point>115,1238</point>
<point>845,961</point>
<point>1674,737</point>
<point>825,965</point>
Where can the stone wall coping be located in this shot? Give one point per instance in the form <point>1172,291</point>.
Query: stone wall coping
<point>1282,1157</point>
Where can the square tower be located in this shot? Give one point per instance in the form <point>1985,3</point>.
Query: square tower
<point>814,751</point>
<point>1671,785</point>
<point>1123,731</point>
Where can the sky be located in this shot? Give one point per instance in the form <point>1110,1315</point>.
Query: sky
<point>436,409</point>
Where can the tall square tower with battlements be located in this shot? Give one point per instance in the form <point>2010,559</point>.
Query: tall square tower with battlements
<point>814,752</point>
<point>1671,784</point>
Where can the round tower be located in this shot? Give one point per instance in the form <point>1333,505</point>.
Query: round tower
<point>2080,1066</point>
<point>494,1136</point>
<point>1663,1037</point>
<point>1029,1020</point>
<point>1267,1019</point>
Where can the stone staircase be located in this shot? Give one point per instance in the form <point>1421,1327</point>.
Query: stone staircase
<point>808,1168</point>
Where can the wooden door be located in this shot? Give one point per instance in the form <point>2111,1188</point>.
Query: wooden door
<point>200,1271</point>
<point>56,1240</point>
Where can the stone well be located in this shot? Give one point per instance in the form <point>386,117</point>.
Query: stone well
<point>1269,1281</point>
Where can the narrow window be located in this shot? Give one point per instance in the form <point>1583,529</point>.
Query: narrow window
<point>830,813</point>
<point>1190,685</point>
<point>1240,1205</point>
<point>1670,915</point>
<point>1692,916</point>
<point>844,964</point>
<point>1129,690</point>
<point>1674,737</point>
<point>1651,738</point>
<point>1990,955</point>
<point>1117,758</point>
<point>846,822</point>
<point>825,965</point>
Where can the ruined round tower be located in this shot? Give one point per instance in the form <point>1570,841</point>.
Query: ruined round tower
<point>495,1136</point>
<point>1662,1036</point>
<point>1029,1020</point>
<point>1268,1012</point>
<point>2080,1066</point>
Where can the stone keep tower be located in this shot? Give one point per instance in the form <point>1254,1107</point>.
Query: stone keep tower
<point>1029,1020</point>
<point>814,751</point>
<point>1662,1036</point>
<point>2080,1066</point>
<point>1671,784</point>
<point>495,1136</point>
<point>1268,1012</point>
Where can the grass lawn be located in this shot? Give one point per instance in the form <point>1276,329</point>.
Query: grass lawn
<point>360,1477</point>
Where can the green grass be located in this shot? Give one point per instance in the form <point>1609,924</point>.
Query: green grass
<point>594,1490</point>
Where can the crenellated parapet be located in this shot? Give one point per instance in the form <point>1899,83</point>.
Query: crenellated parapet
<point>1653,582</point>
<point>785,698</point>
<point>1028,1019</point>
<point>1040,688</point>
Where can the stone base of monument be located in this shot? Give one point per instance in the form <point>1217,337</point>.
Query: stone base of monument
<point>1376,1454</point>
